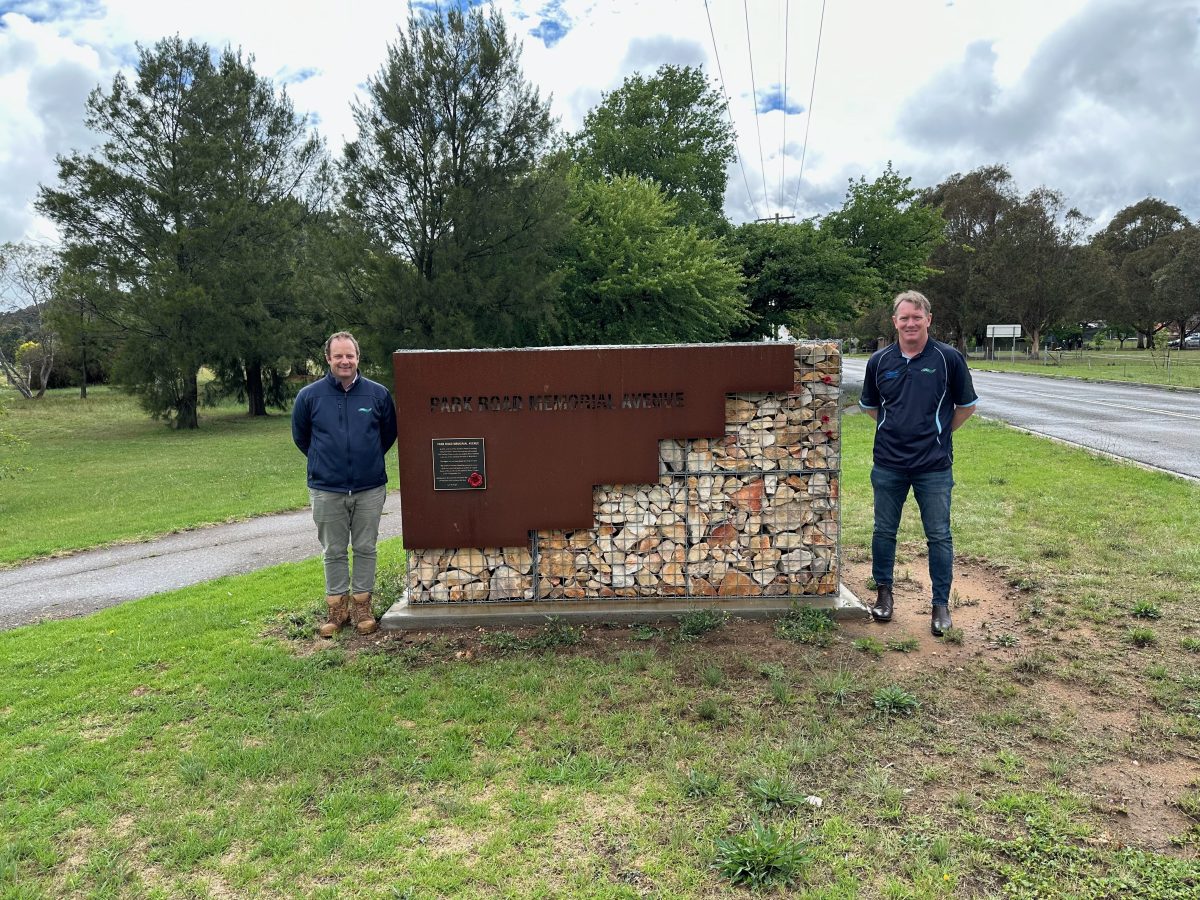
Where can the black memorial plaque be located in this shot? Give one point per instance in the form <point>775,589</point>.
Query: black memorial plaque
<point>459,464</point>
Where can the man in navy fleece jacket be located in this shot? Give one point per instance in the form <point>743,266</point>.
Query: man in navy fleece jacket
<point>345,424</point>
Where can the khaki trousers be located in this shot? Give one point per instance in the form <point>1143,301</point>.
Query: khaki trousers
<point>347,521</point>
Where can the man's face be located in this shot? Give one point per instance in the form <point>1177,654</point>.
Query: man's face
<point>912,323</point>
<point>342,359</point>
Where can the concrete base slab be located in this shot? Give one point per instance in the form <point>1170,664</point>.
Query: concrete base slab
<point>405,616</point>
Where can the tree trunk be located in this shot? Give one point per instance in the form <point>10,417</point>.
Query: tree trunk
<point>187,415</point>
<point>256,404</point>
<point>1035,342</point>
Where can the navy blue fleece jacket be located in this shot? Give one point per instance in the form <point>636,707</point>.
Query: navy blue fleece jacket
<point>344,434</point>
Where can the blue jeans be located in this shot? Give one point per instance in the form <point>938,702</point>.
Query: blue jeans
<point>932,490</point>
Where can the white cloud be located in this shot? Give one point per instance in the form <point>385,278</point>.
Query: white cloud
<point>1093,97</point>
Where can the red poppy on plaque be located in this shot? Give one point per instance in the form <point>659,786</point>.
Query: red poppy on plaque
<point>475,480</point>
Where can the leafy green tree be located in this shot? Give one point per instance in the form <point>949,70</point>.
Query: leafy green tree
<point>1137,243</point>
<point>1177,284</point>
<point>800,277</point>
<point>198,156</point>
<point>450,180</point>
<point>884,223</point>
<point>972,206</point>
<point>632,276</point>
<point>1037,264</point>
<point>86,342</point>
<point>670,128</point>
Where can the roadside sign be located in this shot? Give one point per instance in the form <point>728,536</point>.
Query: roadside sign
<point>1004,331</point>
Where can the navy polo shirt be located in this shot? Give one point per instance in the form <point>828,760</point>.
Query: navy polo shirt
<point>916,399</point>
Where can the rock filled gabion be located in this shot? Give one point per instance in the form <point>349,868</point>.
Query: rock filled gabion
<point>753,513</point>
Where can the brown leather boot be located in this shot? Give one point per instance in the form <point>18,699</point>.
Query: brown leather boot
<point>339,614</point>
<point>364,619</point>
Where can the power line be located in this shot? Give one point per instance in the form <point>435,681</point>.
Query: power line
<point>808,118</point>
<point>783,137</point>
<point>728,111</point>
<point>762,165</point>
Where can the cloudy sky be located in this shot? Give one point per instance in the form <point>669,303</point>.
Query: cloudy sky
<point>1099,99</point>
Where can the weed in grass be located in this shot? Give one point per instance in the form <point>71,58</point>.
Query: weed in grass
<point>903,644</point>
<point>781,691</point>
<point>712,676</point>
<point>1142,637</point>
<point>872,585</point>
<point>1146,609</point>
<point>1189,804</point>
<point>329,658</point>
<point>555,633</point>
<point>773,670</point>
<point>1157,672</point>
<point>1190,644</point>
<point>807,625</point>
<point>638,661</point>
<point>894,700</point>
<point>699,785</point>
<point>837,687</point>
<point>1036,663</point>
<point>695,623</point>
<point>869,645</point>
<point>953,636</point>
<point>761,857</point>
<point>646,632</point>
<point>772,793</point>
<point>711,711</point>
<point>1006,639</point>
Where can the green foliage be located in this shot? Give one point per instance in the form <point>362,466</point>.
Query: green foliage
<point>799,276</point>
<point>712,676</point>
<point>185,217</point>
<point>1146,609</point>
<point>885,225</point>
<point>807,625</point>
<point>556,632</point>
<point>451,185</point>
<point>700,785</point>
<point>670,128</point>
<point>894,700</point>
<point>695,623</point>
<point>771,792</point>
<point>761,857</point>
<point>1007,639</point>
<point>1142,637</point>
<point>1190,644</point>
<point>630,276</point>
<point>869,645</point>
<point>905,644</point>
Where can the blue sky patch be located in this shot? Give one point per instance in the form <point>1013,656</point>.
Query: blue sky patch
<point>297,76</point>
<point>555,24</point>
<point>771,99</point>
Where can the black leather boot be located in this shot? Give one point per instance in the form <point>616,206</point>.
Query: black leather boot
<point>882,610</point>
<point>939,621</point>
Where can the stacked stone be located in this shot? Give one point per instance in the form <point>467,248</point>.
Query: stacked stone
<point>753,513</point>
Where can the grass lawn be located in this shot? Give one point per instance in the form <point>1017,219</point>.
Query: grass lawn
<point>100,471</point>
<point>1133,366</point>
<point>203,744</point>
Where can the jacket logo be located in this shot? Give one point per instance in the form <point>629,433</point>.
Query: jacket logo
<point>929,371</point>
<point>365,409</point>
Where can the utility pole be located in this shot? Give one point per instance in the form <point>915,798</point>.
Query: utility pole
<point>775,218</point>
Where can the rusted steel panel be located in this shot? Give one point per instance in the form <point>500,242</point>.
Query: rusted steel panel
<point>555,422</point>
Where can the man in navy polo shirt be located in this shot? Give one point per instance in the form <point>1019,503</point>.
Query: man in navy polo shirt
<point>345,424</point>
<point>918,390</point>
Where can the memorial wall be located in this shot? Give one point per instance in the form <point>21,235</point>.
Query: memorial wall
<point>620,473</point>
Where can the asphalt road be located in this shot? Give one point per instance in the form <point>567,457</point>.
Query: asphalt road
<point>1153,426</point>
<point>83,583</point>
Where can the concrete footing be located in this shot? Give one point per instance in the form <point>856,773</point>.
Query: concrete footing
<point>405,616</point>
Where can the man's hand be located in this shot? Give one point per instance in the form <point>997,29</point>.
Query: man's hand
<point>873,413</point>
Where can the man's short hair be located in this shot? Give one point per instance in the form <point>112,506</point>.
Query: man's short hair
<point>341,336</point>
<point>916,298</point>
